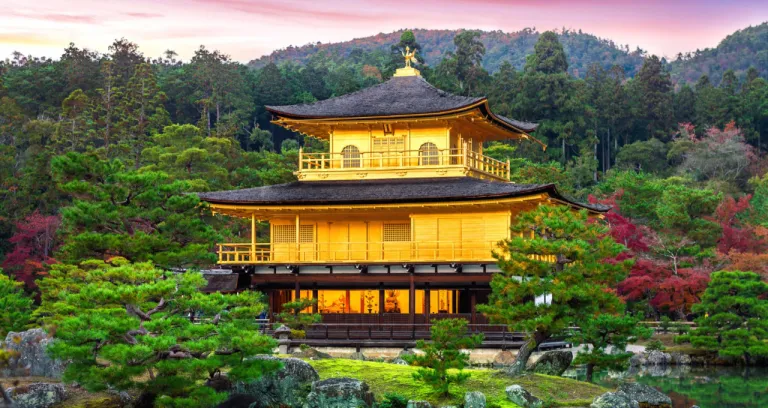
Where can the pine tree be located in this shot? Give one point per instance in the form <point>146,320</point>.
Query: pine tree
<point>134,320</point>
<point>655,96</point>
<point>446,350</point>
<point>733,317</point>
<point>555,272</point>
<point>16,306</point>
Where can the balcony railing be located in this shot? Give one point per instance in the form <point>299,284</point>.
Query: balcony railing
<point>353,252</point>
<point>405,159</point>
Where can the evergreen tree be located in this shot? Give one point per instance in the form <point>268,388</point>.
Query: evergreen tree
<point>446,350</point>
<point>685,105</point>
<point>555,273</point>
<point>548,55</point>
<point>134,328</point>
<point>16,306</point>
<point>145,114</point>
<point>137,215</point>
<point>655,97</point>
<point>733,317</point>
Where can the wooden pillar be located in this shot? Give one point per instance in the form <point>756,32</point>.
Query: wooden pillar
<point>270,303</point>
<point>412,301</point>
<point>347,303</point>
<point>381,303</point>
<point>314,296</point>
<point>455,304</point>
<point>298,227</point>
<point>253,237</point>
<point>297,288</point>
<point>472,301</point>
<point>427,302</point>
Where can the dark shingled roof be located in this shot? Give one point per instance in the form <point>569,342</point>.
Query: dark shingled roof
<point>385,191</point>
<point>220,283</point>
<point>400,96</point>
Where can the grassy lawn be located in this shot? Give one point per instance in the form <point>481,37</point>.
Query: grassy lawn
<point>383,378</point>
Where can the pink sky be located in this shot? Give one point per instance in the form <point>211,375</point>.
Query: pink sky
<point>247,29</point>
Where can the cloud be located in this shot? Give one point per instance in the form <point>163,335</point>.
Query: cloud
<point>57,17</point>
<point>143,15</point>
<point>26,39</point>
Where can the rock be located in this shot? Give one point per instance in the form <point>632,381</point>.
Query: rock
<point>418,404</point>
<point>474,399</point>
<point>637,360</point>
<point>219,382</point>
<point>503,358</point>
<point>358,355</point>
<point>406,352</point>
<point>522,397</point>
<point>553,363</point>
<point>238,401</point>
<point>30,358</point>
<point>617,399</point>
<point>680,359</point>
<point>312,354</point>
<point>344,391</point>
<point>399,361</point>
<point>295,368</point>
<point>37,395</point>
<point>645,395</point>
<point>658,358</point>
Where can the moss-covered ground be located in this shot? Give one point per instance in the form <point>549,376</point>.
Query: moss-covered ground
<point>384,378</point>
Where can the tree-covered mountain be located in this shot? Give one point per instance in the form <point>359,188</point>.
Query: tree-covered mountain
<point>739,51</point>
<point>582,49</point>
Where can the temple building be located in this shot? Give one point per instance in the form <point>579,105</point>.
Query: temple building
<point>397,223</point>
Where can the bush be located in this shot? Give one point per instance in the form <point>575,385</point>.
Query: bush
<point>655,345</point>
<point>273,392</point>
<point>393,400</point>
<point>297,321</point>
<point>664,324</point>
<point>16,307</point>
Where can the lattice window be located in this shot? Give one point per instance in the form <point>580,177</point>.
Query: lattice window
<point>306,233</point>
<point>286,234</point>
<point>389,144</point>
<point>351,156</point>
<point>428,154</point>
<point>397,232</point>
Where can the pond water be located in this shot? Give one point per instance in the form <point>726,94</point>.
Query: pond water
<point>707,387</point>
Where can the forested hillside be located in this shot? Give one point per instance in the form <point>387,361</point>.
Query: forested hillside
<point>583,49</point>
<point>739,51</point>
<point>98,152</point>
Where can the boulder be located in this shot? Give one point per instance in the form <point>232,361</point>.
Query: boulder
<point>37,395</point>
<point>238,401</point>
<point>474,399</point>
<point>680,358</point>
<point>658,358</point>
<point>342,390</point>
<point>553,363</point>
<point>29,355</point>
<point>522,397</point>
<point>418,404</point>
<point>295,368</point>
<point>646,396</point>
<point>617,399</point>
<point>219,382</point>
<point>503,358</point>
<point>637,360</point>
<point>312,354</point>
<point>399,361</point>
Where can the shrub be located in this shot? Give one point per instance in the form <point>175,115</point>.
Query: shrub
<point>16,307</point>
<point>393,400</point>
<point>655,345</point>
<point>449,339</point>
<point>293,317</point>
<point>664,324</point>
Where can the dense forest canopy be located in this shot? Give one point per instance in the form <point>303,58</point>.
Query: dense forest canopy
<point>98,152</point>
<point>739,51</point>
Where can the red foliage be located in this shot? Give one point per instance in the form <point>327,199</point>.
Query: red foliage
<point>736,237</point>
<point>34,243</point>
<point>666,291</point>
<point>623,230</point>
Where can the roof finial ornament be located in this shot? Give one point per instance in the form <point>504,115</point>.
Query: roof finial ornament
<point>408,70</point>
<point>409,56</point>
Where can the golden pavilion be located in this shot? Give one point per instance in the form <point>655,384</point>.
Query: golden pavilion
<point>396,224</point>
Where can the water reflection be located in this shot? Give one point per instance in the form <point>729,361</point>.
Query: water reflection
<point>707,387</point>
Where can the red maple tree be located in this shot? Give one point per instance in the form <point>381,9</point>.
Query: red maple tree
<point>34,243</point>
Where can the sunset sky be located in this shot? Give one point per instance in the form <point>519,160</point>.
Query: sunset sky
<point>247,29</point>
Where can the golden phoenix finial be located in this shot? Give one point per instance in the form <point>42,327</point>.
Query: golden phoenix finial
<point>409,56</point>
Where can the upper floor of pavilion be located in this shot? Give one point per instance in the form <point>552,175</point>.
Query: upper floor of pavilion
<point>401,128</point>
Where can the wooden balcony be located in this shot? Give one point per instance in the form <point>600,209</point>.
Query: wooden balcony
<point>355,252</point>
<point>398,164</point>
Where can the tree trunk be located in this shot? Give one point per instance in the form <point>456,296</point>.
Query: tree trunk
<point>521,360</point>
<point>590,371</point>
